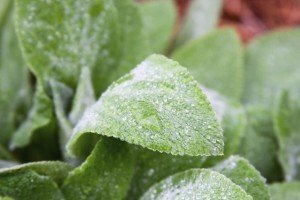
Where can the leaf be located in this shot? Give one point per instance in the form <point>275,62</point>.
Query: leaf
<point>55,169</point>
<point>158,29</point>
<point>4,10</point>
<point>285,191</point>
<point>158,105</point>
<point>106,174</point>
<point>14,90</point>
<point>196,184</point>
<point>29,185</point>
<point>201,17</point>
<point>269,59</point>
<point>133,48</point>
<point>33,181</point>
<point>84,96</point>
<point>65,42</point>
<point>216,61</point>
<point>242,173</point>
<point>39,116</point>
<point>232,117</point>
<point>5,198</point>
<point>152,167</point>
<point>286,122</point>
<point>259,141</point>
<point>62,95</point>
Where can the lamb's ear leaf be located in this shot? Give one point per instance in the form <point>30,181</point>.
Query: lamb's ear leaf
<point>84,96</point>
<point>134,46</point>
<point>260,140</point>
<point>40,115</point>
<point>158,29</point>
<point>62,95</point>
<point>216,61</point>
<point>232,117</point>
<point>106,173</point>
<point>242,173</point>
<point>38,180</point>
<point>63,42</point>
<point>286,190</point>
<point>150,170</point>
<point>158,105</point>
<point>287,126</point>
<point>201,18</point>
<point>4,10</point>
<point>29,185</point>
<point>196,184</point>
<point>57,170</point>
<point>14,78</point>
<point>268,59</point>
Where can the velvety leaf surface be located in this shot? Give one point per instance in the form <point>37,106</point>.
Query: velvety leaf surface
<point>33,180</point>
<point>158,29</point>
<point>84,96</point>
<point>14,90</point>
<point>57,170</point>
<point>67,36</point>
<point>40,115</point>
<point>260,140</point>
<point>287,125</point>
<point>285,191</point>
<point>272,63</point>
<point>201,18</point>
<point>196,184</point>
<point>216,61</point>
<point>232,117</point>
<point>152,167</point>
<point>106,173</point>
<point>29,185</point>
<point>158,105</point>
<point>242,173</point>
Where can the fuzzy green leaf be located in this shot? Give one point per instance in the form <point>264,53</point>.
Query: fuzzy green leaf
<point>84,96</point>
<point>269,60</point>
<point>158,29</point>
<point>38,180</point>
<point>65,42</point>
<point>285,191</point>
<point>201,18</point>
<point>39,116</point>
<point>287,125</point>
<point>260,140</point>
<point>232,117</point>
<point>158,105</point>
<point>14,79</point>
<point>152,167</point>
<point>216,61</point>
<point>106,174</point>
<point>196,184</point>
<point>242,173</point>
<point>29,185</point>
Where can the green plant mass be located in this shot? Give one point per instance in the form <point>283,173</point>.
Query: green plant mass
<point>110,100</point>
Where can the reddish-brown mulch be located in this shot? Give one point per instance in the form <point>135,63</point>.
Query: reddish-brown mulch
<point>254,17</point>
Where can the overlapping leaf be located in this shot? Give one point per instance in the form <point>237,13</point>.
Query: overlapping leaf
<point>33,181</point>
<point>106,174</point>
<point>242,173</point>
<point>287,125</point>
<point>158,105</point>
<point>285,191</point>
<point>269,60</point>
<point>196,184</point>
<point>158,29</point>
<point>216,61</point>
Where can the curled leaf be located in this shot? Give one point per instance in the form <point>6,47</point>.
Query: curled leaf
<point>158,105</point>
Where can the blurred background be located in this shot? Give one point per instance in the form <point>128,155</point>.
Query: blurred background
<point>254,17</point>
